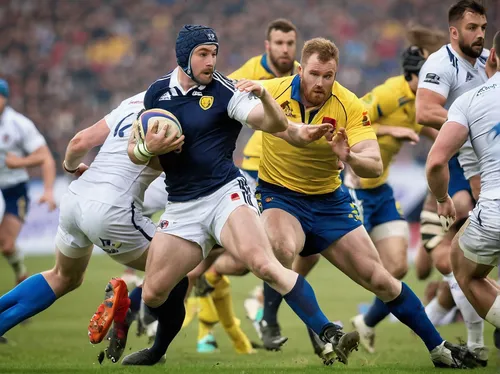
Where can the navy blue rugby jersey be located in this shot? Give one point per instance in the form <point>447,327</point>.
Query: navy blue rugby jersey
<point>211,117</point>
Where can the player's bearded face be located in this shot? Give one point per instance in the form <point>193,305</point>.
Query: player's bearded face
<point>471,34</point>
<point>281,48</point>
<point>203,62</point>
<point>316,80</point>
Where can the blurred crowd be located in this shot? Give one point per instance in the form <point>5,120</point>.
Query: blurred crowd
<point>69,62</point>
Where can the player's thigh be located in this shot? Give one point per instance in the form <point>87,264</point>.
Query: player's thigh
<point>391,241</point>
<point>68,272</point>
<point>463,204</point>
<point>441,256</point>
<point>170,259</point>
<point>285,234</point>
<point>244,237</point>
<point>356,256</point>
<point>227,264</point>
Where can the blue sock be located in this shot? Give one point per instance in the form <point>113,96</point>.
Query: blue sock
<point>30,297</point>
<point>272,302</point>
<point>377,312</point>
<point>409,309</point>
<point>303,302</point>
<point>135,297</point>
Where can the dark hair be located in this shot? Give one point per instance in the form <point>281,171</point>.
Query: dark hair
<point>458,10</point>
<point>280,24</point>
<point>496,43</point>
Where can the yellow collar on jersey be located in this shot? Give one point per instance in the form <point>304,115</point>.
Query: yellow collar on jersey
<point>295,95</point>
<point>265,65</point>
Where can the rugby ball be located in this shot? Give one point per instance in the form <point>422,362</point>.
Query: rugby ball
<point>164,117</point>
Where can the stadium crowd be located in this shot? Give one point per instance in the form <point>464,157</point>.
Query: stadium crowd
<point>69,63</point>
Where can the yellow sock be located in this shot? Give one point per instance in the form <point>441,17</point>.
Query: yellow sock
<point>191,310</point>
<point>207,316</point>
<point>223,302</point>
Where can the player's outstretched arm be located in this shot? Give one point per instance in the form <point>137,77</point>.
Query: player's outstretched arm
<point>83,142</point>
<point>363,157</point>
<point>268,116</point>
<point>300,134</point>
<point>429,108</point>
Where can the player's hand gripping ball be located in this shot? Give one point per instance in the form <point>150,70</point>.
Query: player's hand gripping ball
<point>164,118</point>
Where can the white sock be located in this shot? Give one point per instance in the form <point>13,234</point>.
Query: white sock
<point>435,312</point>
<point>493,315</point>
<point>16,261</point>
<point>449,317</point>
<point>474,323</point>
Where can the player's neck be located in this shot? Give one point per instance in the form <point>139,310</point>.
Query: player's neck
<point>457,49</point>
<point>185,82</point>
<point>275,71</point>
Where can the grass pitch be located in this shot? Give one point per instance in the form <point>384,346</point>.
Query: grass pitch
<point>56,340</point>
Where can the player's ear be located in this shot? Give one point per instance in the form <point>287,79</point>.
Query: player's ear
<point>453,32</point>
<point>267,45</point>
<point>299,70</point>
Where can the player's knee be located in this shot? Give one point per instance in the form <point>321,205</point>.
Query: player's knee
<point>383,284</point>
<point>67,281</point>
<point>7,246</point>
<point>443,264</point>
<point>152,296</point>
<point>284,250</point>
<point>398,269</point>
<point>263,269</point>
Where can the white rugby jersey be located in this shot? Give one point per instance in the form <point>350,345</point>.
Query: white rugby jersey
<point>112,178</point>
<point>479,111</point>
<point>18,135</point>
<point>450,75</point>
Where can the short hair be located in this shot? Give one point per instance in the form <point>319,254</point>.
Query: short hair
<point>280,24</point>
<point>496,43</point>
<point>458,10</point>
<point>326,50</point>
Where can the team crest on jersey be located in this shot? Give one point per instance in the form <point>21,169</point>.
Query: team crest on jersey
<point>432,78</point>
<point>331,121</point>
<point>287,109</point>
<point>235,196</point>
<point>163,224</point>
<point>206,102</point>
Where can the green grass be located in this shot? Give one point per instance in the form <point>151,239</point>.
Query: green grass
<point>56,340</point>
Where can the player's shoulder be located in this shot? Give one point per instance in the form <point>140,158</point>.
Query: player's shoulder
<point>443,60</point>
<point>133,101</point>
<point>160,83</point>
<point>395,85</point>
<point>13,115</point>
<point>344,95</point>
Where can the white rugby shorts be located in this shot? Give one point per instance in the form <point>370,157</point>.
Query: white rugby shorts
<point>116,230</point>
<point>480,240</point>
<point>201,220</point>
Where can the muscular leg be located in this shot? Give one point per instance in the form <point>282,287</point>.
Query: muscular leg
<point>39,291</point>
<point>365,268</point>
<point>9,231</point>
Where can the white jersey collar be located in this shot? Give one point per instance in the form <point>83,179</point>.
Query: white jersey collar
<point>174,82</point>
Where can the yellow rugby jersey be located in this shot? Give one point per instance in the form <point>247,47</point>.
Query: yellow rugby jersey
<point>256,69</point>
<point>311,170</point>
<point>390,104</point>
